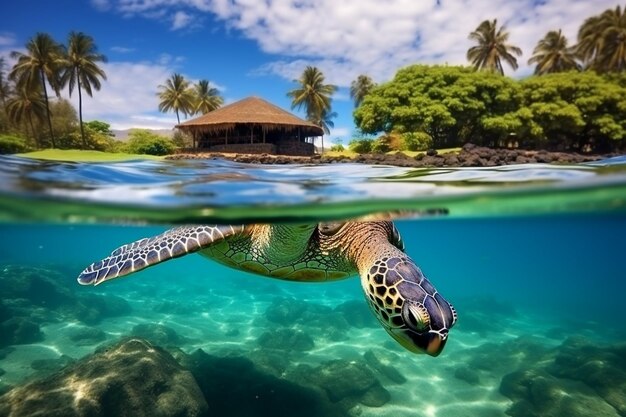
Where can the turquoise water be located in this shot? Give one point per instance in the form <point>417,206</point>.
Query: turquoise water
<point>532,258</point>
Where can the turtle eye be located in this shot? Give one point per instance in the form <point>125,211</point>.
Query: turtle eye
<point>329,229</point>
<point>416,316</point>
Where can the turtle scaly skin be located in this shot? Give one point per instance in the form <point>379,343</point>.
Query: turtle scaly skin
<point>406,304</point>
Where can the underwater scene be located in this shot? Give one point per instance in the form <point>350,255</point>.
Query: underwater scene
<point>530,256</point>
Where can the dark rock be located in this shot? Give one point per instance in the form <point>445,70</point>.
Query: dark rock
<point>383,369</point>
<point>18,330</point>
<point>326,322</point>
<point>285,311</point>
<point>467,374</point>
<point>86,336</point>
<point>5,351</point>
<point>357,314</point>
<point>158,334</point>
<point>233,386</point>
<point>499,358</point>
<point>349,381</point>
<point>286,339</point>
<point>131,378</point>
<point>538,394</point>
<point>602,368</point>
<point>41,287</point>
<point>432,152</point>
<point>51,365</point>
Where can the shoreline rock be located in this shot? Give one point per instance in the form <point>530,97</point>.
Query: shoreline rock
<point>469,156</point>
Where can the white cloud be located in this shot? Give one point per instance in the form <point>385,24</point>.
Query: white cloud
<point>101,4</point>
<point>350,37</point>
<point>128,98</point>
<point>7,39</point>
<point>122,49</point>
<point>181,20</point>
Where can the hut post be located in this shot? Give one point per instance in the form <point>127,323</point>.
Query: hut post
<point>263,134</point>
<point>226,137</point>
<point>251,133</point>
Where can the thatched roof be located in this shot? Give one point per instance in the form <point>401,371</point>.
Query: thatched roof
<point>251,111</point>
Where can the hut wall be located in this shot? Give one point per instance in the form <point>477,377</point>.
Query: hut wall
<point>254,148</point>
<point>295,148</point>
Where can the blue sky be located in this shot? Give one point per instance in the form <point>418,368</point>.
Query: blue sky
<point>257,47</point>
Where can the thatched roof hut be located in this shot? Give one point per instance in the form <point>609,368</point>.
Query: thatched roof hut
<point>252,125</point>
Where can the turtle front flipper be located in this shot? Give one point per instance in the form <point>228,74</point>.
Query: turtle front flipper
<point>146,252</point>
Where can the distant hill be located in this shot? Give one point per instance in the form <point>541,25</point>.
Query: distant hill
<point>123,134</point>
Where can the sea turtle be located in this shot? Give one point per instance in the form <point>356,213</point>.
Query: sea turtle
<point>403,300</point>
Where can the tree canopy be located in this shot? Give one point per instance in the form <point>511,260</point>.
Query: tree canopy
<point>456,105</point>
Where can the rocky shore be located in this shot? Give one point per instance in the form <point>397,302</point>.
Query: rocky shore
<point>469,156</point>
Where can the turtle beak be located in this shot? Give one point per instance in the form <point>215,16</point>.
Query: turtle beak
<point>431,343</point>
<point>435,344</point>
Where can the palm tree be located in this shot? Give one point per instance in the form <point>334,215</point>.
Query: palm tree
<point>361,87</point>
<point>26,104</point>
<point>207,98</point>
<point>602,41</point>
<point>5,89</point>
<point>82,70</point>
<point>176,95</point>
<point>312,93</point>
<point>492,48</point>
<point>325,121</point>
<point>553,55</point>
<point>41,63</point>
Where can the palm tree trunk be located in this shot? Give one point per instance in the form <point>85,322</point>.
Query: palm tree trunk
<point>45,94</point>
<point>80,112</point>
<point>32,129</point>
<point>322,144</point>
<point>177,117</point>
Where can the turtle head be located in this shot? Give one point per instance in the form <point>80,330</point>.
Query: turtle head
<point>407,305</point>
<point>402,299</point>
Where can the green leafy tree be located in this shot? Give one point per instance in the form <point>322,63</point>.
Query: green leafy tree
<point>573,111</point>
<point>602,41</point>
<point>207,98</point>
<point>553,55</point>
<point>100,127</point>
<point>360,88</point>
<point>81,70</point>
<point>142,141</point>
<point>177,95</point>
<point>41,64</point>
<point>448,103</point>
<point>27,105</point>
<point>65,124</point>
<point>312,93</point>
<point>492,47</point>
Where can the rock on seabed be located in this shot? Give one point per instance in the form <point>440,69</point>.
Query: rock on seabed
<point>131,378</point>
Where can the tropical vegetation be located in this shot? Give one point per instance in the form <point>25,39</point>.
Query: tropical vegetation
<point>492,48</point>
<point>455,105</point>
<point>180,96</point>
<point>360,88</point>
<point>575,99</point>
<point>81,70</point>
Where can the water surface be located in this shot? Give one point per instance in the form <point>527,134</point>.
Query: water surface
<point>530,255</point>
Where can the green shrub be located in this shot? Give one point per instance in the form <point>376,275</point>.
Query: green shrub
<point>381,145</point>
<point>337,148</point>
<point>361,145</point>
<point>417,141</point>
<point>147,143</point>
<point>12,144</point>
